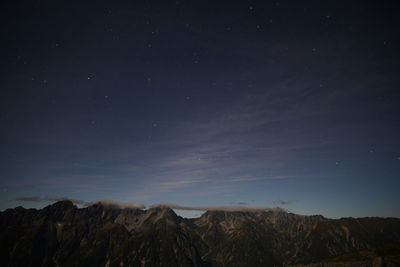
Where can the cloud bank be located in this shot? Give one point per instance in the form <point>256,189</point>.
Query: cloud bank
<point>216,208</point>
<point>136,205</point>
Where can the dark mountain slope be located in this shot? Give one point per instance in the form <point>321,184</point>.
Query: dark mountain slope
<point>100,235</point>
<point>387,256</point>
<point>62,235</point>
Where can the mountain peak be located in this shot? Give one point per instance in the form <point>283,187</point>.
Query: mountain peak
<point>63,204</point>
<point>60,206</point>
<point>162,211</point>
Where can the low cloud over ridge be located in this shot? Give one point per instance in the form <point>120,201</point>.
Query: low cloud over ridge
<point>136,205</point>
<point>215,208</point>
<point>117,204</point>
<point>105,202</point>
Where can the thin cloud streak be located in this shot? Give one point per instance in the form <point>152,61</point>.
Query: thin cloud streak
<point>285,202</point>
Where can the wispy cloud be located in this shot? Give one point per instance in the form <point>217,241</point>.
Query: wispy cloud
<point>250,178</point>
<point>248,139</point>
<point>235,143</point>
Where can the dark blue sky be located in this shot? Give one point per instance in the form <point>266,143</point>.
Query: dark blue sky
<point>290,103</point>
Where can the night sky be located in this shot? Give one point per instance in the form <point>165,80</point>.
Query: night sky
<point>269,103</point>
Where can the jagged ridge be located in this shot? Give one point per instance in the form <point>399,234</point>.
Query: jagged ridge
<point>99,235</point>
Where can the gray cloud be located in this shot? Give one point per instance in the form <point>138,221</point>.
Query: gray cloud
<point>31,199</point>
<point>284,202</point>
<point>216,208</point>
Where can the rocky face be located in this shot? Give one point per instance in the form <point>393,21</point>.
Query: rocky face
<point>63,235</point>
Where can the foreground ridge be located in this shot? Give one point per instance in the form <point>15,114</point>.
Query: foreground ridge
<point>99,235</point>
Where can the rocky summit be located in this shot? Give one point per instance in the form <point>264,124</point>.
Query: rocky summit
<point>99,235</point>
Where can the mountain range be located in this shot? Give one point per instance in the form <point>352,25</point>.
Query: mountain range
<point>102,235</point>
